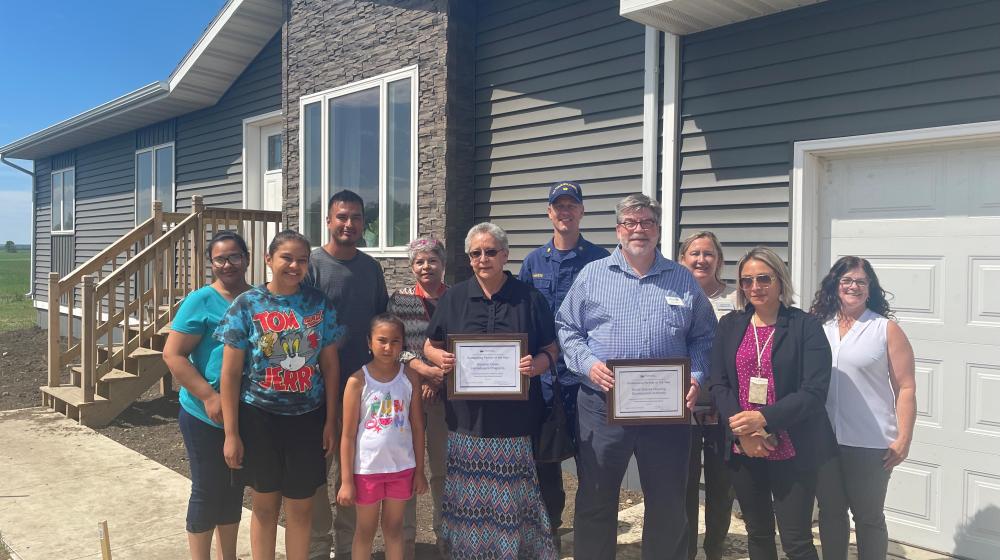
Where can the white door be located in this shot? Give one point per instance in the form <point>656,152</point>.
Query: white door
<point>929,222</point>
<point>270,167</point>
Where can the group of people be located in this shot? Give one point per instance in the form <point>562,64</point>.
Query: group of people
<point>320,370</point>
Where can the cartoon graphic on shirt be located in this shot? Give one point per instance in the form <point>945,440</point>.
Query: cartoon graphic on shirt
<point>287,348</point>
<point>383,412</point>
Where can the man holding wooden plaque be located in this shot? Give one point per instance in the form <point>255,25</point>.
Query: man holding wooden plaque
<point>638,329</point>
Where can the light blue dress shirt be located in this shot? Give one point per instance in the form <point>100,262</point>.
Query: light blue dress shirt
<point>613,313</point>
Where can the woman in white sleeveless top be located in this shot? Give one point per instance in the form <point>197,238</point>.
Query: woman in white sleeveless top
<point>701,253</point>
<point>871,403</point>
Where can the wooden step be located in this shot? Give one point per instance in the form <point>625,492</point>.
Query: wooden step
<point>72,395</point>
<point>165,329</point>
<point>112,376</point>
<point>143,352</point>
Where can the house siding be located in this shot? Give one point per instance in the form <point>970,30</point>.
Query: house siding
<point>336,43</point>
<point>208,146</point>
<point>105,194</point>
<point>559,96</point>
<point>209,143</point>
<point>840,68</point>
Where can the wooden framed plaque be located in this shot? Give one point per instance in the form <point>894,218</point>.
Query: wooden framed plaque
<point>649,391</point>
<point>487,366</point>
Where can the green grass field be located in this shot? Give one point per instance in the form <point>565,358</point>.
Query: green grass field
<point>15,309</point>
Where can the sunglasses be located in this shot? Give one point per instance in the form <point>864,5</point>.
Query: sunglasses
<point>476,254</point>
<point>762,280</point>
<point>235,259</point>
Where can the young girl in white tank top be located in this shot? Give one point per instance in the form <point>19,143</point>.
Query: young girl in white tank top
<point>382,447</point>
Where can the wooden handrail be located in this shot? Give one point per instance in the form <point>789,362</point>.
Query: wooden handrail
<point>101,259</point>
<point>142,257</point>
<point>130,301</point>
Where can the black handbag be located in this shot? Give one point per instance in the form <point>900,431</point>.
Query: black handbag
<point>553,443</point>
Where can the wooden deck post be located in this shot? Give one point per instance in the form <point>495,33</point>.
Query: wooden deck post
<point>198,247</point>
<point>55,352</point>
<point>88,342</point>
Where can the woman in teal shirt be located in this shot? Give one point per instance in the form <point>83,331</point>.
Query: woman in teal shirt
<point>194,357</point>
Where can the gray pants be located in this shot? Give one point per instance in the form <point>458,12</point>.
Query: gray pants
<point>857,481</point>
<point>321,541</point>
<point>661,453</point>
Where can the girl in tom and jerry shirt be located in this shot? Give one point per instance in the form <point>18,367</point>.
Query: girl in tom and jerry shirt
<point>382,447</point>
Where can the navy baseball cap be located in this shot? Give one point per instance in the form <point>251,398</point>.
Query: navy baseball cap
<point>571,189</point>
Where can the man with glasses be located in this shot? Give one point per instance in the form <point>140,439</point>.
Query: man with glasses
<point>551,269</point>
<point>354,283</point>
<point>633,304</point>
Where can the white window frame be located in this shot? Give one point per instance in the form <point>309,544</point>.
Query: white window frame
<point>323,98</point>
<point>135,185</point>
<point>52,209</point>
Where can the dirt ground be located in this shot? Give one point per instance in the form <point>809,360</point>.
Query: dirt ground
<point>149,426</point>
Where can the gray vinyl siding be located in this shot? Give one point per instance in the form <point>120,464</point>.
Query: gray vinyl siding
<point>209,144</point>
<point>159,133</point>
<point>839,68</point>
<point>208,158</point>
<point>42,242</point>
<point>559,90</point>
<point>105,193</point>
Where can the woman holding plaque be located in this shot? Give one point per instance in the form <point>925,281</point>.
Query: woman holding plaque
<point>871,404</point>
<point>492,507</point>
<point>770,374</point>
<point>701,253</point>
<point>415,305</point>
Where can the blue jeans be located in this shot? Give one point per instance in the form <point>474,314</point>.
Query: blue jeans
<point>214,499</point>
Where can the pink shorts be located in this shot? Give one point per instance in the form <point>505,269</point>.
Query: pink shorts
<point>373,488</point>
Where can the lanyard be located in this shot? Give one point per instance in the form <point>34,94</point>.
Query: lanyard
<point>757,347</point>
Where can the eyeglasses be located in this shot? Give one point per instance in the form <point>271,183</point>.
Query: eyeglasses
<point>476,254</point>
<point>632,224</point>
<point>236,259</point>
<point>762,280</point>
<point>846,282</point>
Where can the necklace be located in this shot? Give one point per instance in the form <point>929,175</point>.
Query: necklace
<point>718,292</point>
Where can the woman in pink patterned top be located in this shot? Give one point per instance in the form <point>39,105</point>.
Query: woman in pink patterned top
<point>769,377</point>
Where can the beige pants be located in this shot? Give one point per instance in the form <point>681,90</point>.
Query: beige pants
<point>321,541</point>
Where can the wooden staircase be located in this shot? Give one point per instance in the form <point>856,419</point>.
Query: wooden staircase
<point>115,309</point>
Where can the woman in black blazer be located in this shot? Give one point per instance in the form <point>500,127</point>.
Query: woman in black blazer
<point>769,377</point>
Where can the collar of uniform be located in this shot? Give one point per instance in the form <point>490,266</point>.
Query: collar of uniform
<point>476,291</point>
<point>660,263</point>
<point>551,252</point>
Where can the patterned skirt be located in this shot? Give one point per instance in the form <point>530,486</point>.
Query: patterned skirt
<point>492,508</point>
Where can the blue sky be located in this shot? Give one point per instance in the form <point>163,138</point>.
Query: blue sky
<point>62,57</point>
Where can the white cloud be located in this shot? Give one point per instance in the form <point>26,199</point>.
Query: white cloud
<point>15,216</point>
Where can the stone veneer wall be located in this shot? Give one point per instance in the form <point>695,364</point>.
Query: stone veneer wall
<point>331,43</point>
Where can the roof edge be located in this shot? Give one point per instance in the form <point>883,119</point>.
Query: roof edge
<point>102,111</point>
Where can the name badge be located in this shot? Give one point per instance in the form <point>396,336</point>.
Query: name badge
<point>674,300</point>
<point>758,390</point>
<point>724,305</point>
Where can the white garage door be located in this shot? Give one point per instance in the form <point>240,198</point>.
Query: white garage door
<point>929,221</point>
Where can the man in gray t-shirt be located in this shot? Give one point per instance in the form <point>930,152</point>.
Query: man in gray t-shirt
<point>355,285</point>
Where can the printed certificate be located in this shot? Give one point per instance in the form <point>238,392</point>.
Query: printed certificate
<point>486,366</point>
<point>649,391</point>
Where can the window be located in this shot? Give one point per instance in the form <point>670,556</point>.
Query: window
<point>63,200</point>
<point>154,180</point>
<point>362,137</point>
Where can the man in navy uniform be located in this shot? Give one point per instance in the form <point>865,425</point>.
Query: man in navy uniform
<point>551,269</point>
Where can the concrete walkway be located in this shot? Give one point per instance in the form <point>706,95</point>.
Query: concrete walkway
<point>60,479</point>
<point>630,541</point>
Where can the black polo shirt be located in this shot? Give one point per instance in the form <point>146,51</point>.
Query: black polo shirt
<point>516,308</point>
